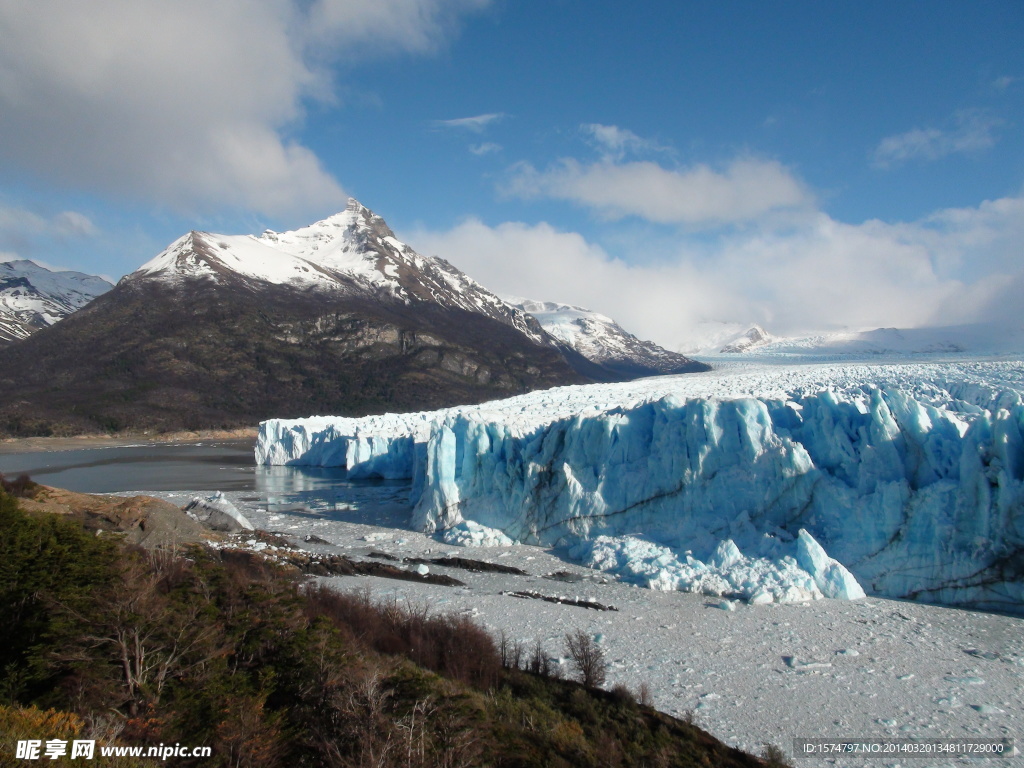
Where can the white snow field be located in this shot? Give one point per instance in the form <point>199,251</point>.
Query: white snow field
<point>751,674</point>
<point>767,484</point>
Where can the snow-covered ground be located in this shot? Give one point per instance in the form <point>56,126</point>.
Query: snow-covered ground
<point>751,675</point>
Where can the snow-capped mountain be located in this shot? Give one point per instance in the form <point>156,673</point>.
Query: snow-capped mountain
<point>33,297</point>
<point>604,342</point>
<point>225,330</point>
<point>353,253</point>
<point>973,340</point>
<point>751,339</point>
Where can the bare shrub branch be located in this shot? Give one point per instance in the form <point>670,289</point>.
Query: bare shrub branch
<point>587,657</point>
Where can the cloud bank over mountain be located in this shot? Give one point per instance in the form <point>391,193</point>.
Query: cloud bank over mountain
<point>796,273</point>
<point>193,105</point>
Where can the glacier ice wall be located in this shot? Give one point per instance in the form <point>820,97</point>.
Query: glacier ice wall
<point>916,498</point>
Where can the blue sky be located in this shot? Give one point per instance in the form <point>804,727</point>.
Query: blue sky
<point>805,165</point>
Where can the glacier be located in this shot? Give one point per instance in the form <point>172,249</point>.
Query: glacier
<point>770,485</point>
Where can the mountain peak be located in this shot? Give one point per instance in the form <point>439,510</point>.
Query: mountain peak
<point>33,297</point>
<point>616,353</point>
<point>753,337</point>
<point>353,215</point>
<point>351,253</point>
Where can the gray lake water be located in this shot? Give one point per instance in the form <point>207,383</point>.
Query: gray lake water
<point>202,466</point>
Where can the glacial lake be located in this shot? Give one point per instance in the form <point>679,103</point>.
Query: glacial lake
<point>226,465</point>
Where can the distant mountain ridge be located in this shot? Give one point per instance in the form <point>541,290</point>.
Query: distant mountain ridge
<point>33,297</point>
<point>979,340</point>
<point>603,342</point>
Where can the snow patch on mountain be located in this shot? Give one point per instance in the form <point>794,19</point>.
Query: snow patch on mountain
<point>754,337</point>
<point>33,297</point>
<point>599,338</point>
<point>910,476</point>
<point>353,253</point>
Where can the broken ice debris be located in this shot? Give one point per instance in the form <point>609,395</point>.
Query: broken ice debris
<point>218,514</point>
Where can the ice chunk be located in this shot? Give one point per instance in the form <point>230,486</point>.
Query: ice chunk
<point>471,534</point>
<point>831,577</point>
<point>726,555</point>
<point>218,514</point>
<point>727,572</point>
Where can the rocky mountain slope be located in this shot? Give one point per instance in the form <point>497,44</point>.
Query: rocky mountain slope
<point>753,338</point>
<point>33,297</point>
<point>221,331</point>
<point>615,354</point>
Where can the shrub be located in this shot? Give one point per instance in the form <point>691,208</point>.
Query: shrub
<point>45,562</point>
<point>775,757</point>
<point>20,487</point>
<point>540,662</point>
<point>622,696</point>
<point>587,657</point>
<point>451,645</point>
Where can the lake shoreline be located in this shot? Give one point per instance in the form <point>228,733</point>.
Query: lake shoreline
<point>11,445</point>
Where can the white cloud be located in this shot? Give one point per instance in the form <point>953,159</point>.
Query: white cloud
<point>747,189</point>
<point>516,258</point>
<point>25,234</point>
<point>189,103</point>
<point>1002,83</point>
<point>74,224</point>
<point>614,142</point>
<point>20,224</point>
<point>955,266</point>
<point>972,131</point>
<point>370,27</point>
<point>475,124</point>
<point>485,148</point>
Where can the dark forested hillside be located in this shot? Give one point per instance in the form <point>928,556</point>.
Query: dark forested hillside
<point>197,355</point>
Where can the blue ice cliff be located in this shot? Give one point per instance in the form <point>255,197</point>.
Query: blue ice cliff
<point>911,489</point>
